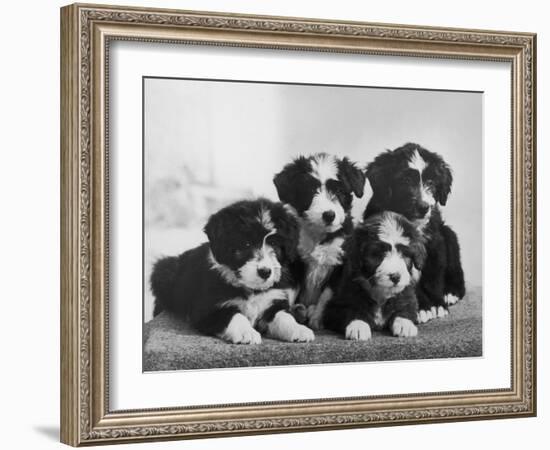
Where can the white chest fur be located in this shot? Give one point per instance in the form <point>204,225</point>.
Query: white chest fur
<point>379,320</point>
<point>320,260</point>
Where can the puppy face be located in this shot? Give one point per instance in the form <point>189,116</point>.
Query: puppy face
<point>386,255</point>
<point>411,181</point>
<point>320,188</point>
<point>262,268</point>
<point>251,241</point>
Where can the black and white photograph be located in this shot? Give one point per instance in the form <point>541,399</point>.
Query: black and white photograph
<point>288,224</point>
<point>261,225</point>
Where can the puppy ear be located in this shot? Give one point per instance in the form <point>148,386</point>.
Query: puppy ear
<point>285,180</point>
<point>417,243</point>
<point>444,178</point>
<point>288,230</point>
<point>352,177</point>
<point>418,253</point>
<point>283,184</point>
<point>215,231</point>
<point>379,172</point>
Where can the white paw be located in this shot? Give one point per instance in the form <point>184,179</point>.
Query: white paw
<point>433,312</point>
<point>358,330</point>
<point>402,327</point>
<point>249,337</point>
<point>302,334</point>
<point>424,315</point>
<point>442,312</point>
<point>240,331</point>
<point>285,328</point>
<point>451,299</point>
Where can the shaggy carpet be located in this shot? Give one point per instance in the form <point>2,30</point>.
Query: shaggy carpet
<point>169,344</point>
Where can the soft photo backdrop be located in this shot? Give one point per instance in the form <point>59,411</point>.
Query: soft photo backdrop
<point>207,144</point>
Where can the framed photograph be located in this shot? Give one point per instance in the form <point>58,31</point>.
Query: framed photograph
<point>274,224</point>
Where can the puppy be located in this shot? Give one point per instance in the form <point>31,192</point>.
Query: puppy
<point>237,286</point>
<point>384,257</point>
<point>318,190</point>
<point>413,181</point>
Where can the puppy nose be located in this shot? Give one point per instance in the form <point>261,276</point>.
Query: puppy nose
<point>328,216</point>
<point>394,278</point>
<point>264,272</point>
<point>423,209</point>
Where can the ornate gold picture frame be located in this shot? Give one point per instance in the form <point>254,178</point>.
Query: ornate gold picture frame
<point>87,32</point>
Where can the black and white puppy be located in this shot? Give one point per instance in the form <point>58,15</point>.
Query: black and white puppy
<point>413,181</point>
<point>384,257</point>
<point>319,191</point>
<point>238,285</point>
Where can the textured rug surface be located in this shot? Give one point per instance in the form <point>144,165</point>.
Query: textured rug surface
<point>170,344</point>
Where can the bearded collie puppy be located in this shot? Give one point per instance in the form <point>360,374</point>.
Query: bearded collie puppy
<point>413,181</point>
<point>236,286</point>
<point>377,291</point>
<point>319,190</point>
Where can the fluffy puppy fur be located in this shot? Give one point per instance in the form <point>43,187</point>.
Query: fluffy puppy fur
<point>384,257</point>
<point>413,181</point>
<point>238,285</point>
<point>319,191</point>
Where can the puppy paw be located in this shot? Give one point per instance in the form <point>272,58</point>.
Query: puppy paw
<point>441,312</point>
<point>240,331</point>
<point>358,330</point>
<point>300,312</point>
<point>425,315</point>
<point>285,328</point>
<point>302,334</point>
<point>315,322</point>
<point>402,327</point>
<point>451,299</point>
<point>249,337</point>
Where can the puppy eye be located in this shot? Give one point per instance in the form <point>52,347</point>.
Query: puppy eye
<point>405,251</point>
<point>334,184</point>
<point>376,254</point>
<point>278,251</point>
<point>408,179</point>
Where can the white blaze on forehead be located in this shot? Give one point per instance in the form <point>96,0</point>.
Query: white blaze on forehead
<point>324,168</point>
<point>264,245</point>
<point>391,232</point>
<point>417,162</point>
<point>265,219</point>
